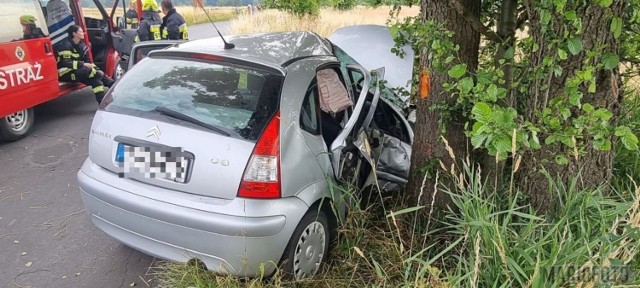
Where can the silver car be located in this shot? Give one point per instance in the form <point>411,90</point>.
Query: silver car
<point>233,156</point>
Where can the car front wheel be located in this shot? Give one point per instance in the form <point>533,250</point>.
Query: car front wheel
<point>308,247</point>
<point>16,125</point>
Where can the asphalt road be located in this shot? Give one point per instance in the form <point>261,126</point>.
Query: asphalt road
<point>46,236</point>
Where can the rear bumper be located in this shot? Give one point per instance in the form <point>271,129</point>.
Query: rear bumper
<point>230,236</point>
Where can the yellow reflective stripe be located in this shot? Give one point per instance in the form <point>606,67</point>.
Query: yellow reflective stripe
<point>68,54</point>
<point>136,40</point>
<point>98,89</point>
<point>65,53</point>
<point>183,31</point>
<point>63,71</point>
<point>73,77</point>
<point>155,30</point>
<point>165,33</point>
<point>92,73</point>
<point>75,64</point>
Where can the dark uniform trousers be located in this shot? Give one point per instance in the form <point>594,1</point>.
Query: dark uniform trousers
<point>88,76</point>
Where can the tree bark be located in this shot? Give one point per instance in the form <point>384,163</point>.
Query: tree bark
<point>427,145</point>
<point>594,166</point>
<point>506,30</point>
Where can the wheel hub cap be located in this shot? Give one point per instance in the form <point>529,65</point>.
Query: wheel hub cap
<point>17,120</point>
<point>309,250</point>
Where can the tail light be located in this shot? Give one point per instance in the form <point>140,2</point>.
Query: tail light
<point>261,177</point>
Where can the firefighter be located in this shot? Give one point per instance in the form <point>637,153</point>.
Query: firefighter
<point>29,29</point>
<point>173,25</point>
<point>74,64</point>
<point>149,28</point>
<point>132,15</point>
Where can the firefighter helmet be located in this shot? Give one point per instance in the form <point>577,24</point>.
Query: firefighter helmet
<point>149,5</point>
<point>27,19</point>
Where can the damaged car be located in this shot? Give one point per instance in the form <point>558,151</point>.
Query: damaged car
<point>229,155</point>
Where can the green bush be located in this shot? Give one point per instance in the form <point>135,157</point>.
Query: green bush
<point>299,8</point>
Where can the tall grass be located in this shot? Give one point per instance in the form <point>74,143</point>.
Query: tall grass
<point>194,15</point>
<point>326,23</point>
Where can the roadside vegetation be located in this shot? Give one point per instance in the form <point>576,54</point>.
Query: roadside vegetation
<point>489,233</point>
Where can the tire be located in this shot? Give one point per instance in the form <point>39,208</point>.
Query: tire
<point>308,248</point>
<point>17,125</point>
<point>118,71</point>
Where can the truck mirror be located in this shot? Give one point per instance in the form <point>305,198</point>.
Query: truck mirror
<point>121,23</point>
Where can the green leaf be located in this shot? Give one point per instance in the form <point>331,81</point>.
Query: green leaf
<point>561,160</point>
<point>562,54</point>
<point>603,114</point>
<point>630,141</point>
<point>492,92</point>
<point>535,141</point>
<point>575,45</point>
<point>605,3</point>
<point>482,112</point>
<point>610,60</point>
<point>502,144</point>
<point>616,27</point>
<point>575,97</point>
<point>570,15</point>
<point>478,140</point>
<point>557,71</point>
<point>587,107</point>
<point>592,87</point>
<point>602,144</point>
<point>404,211</point>
<point>465,85</point>
<point>457,71</point>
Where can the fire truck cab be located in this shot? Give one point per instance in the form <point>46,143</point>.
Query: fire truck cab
<point>30,30</point>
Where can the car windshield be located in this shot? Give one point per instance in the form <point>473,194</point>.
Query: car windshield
<point>227,97</point>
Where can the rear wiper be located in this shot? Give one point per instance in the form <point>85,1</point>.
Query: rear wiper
<point>178,115</point>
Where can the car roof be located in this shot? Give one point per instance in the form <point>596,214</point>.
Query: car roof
<point>277,49</point>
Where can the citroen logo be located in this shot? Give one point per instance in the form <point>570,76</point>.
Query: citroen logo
<point>155,132</point>
<point>20,53</point>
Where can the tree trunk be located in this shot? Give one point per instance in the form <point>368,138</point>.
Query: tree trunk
<point>595,167</point>
<point>492,169</point>
<point>427,145</point>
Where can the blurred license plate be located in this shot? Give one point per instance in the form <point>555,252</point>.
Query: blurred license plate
<point>169,164</point>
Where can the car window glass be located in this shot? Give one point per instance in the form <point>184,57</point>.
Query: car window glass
<point>21,19</point>
<point>309,115</point>
<point>234,98</point>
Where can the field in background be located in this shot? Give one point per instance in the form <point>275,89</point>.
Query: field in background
<point>191,15</point>
<point>326,23</point>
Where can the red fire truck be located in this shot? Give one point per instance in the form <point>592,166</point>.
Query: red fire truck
<point>29,30</point>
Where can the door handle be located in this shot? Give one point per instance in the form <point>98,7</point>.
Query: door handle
<point>47,48</point>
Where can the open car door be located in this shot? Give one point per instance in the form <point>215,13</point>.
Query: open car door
<point>385,136</point>
<point>124,36</point>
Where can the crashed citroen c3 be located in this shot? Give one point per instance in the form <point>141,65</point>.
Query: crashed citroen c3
<point>229,155</point>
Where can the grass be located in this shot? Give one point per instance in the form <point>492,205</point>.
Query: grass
<point>326,23</point>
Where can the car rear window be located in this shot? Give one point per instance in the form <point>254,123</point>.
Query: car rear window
<point>234,98</point>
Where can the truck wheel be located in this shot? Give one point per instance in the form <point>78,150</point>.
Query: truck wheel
<point>118,72</point>
<point>309,246</point>
<point>17,125</point>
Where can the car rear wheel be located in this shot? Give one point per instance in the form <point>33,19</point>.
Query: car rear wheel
<point>308,247</point>
<point>16,125</point>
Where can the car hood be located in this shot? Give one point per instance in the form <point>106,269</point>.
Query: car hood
<point>371,45</point>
